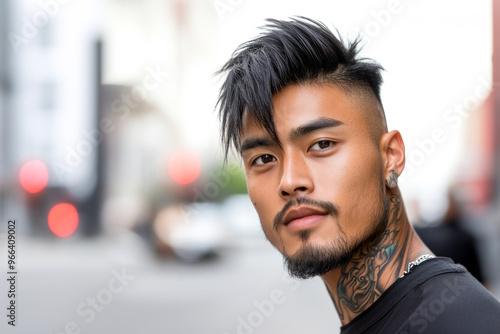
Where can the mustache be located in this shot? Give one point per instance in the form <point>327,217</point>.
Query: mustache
<point>327,206</point>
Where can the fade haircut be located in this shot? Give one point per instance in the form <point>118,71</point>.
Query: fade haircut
<point>298,51</point>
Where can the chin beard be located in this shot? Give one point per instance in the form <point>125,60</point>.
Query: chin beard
<point>312,260</point>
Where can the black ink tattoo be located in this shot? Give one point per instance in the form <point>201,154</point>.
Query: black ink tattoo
<point>359,286</point>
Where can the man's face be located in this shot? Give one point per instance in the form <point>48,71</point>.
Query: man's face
<point>321,194</point>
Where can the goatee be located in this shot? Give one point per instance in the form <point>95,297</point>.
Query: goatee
<point>312,260</point>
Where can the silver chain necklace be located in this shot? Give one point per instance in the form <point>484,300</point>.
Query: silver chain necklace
<point>415,263</point>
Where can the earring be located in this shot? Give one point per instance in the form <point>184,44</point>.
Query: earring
<point>392,182</point>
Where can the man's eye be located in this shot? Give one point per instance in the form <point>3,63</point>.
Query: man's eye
<point>264,159</point>
<point>321,145</point>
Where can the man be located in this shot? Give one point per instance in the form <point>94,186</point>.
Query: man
<point>306,116</point>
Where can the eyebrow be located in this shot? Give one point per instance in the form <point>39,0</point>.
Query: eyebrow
<point>254,142</point>
<point>317,124</point>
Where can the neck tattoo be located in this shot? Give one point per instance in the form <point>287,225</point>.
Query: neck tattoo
<point>374,267</point>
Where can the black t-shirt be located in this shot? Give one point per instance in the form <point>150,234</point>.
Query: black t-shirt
<point>437,296</point>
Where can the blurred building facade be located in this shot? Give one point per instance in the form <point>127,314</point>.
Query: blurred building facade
<point>50,75</point>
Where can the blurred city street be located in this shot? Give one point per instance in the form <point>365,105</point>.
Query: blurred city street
<point>129,218</point>
<point>162,296</point>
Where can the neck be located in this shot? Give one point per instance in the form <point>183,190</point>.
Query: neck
<point>357,284</point>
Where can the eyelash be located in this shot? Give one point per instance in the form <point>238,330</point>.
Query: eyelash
<point>260,156</point>
<point>331,143</point>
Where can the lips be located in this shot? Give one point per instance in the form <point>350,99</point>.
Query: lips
<point>301,213</point>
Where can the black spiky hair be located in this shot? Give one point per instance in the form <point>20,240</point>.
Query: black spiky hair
<point>296,51</point>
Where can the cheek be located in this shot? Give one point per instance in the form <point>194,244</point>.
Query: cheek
<point>366,202</point>
<point>352,182</point>
<point>336,176</point>
<point>260,201</point>
<point>266,205</point>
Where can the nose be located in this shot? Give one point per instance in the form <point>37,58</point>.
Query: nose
<point>295,178</point>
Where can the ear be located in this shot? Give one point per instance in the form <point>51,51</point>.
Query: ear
<point>392,149</point>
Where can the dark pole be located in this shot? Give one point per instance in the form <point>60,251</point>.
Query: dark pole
<point>92,206</point>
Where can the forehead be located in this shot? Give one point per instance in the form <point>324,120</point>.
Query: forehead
<point>296,105</point>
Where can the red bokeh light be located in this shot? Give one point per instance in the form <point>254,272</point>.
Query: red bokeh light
<point>33,176</point>
<point>63,219</point>
<point>184,167</point>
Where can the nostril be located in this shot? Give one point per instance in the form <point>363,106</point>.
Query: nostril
<point>298,189</point>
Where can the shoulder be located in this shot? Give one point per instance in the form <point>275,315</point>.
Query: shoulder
<point>454,302</point>
<point>438,296</point>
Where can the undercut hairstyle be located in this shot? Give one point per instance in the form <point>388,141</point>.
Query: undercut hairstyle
<point>297,51</point>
